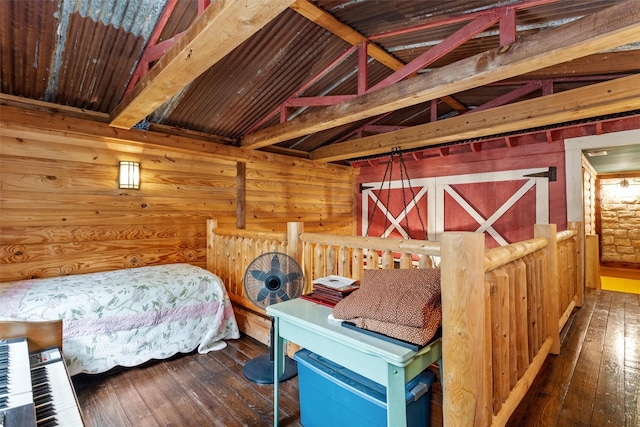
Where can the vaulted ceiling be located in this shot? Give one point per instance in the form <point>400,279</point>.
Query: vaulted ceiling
<point>330,80</point>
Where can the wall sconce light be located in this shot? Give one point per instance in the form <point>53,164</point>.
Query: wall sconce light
<point>129,176</point>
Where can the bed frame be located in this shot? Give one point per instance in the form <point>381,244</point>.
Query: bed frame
<point>503,308</point>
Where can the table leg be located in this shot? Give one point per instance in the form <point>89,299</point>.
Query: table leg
<point>278,366</point>
<point>396,400</point>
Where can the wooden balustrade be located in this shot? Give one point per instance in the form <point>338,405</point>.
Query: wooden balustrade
<point>503,308</point>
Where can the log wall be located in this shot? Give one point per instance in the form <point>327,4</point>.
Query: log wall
<point>61,211</point>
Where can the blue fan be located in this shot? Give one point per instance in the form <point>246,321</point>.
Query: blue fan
<point>271,278</point>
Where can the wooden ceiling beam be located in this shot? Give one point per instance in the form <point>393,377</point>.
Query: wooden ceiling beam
<point>607,29</point>
<point>619,62</point>
<point>599,99</point>
<point>221,28</point>
<point>327,21</point>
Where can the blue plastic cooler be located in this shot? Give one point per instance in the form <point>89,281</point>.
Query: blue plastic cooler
<point>331,395</point>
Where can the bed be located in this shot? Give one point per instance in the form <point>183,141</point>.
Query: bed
<point>127,317</point>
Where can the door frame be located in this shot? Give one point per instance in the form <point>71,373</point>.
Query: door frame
<point>573,148</point>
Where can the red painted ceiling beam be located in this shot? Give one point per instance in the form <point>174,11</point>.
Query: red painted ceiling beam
<point>456,19</point>
<point>304,87</point>
<point>154,50</point>
<point>438,51</point>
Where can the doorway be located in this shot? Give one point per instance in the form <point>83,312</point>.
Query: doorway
<point>616,156</point>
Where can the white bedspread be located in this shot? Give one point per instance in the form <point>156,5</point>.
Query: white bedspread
<point>127,317</point>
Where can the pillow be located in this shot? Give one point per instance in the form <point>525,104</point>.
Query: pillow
<point>399,296</point>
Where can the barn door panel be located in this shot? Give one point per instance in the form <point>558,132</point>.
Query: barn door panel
<point>386,211</point>
<point>503,205</point>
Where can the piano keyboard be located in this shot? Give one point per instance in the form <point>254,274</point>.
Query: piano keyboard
<point>35,389</point>
<point>16,400</point>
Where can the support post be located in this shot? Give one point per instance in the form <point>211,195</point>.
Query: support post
<point>241,195</point>
<point>211,261</point>
<point>295,246</point>
<point>466,331</point>
<point>580,260</point>
<point>550,289</point>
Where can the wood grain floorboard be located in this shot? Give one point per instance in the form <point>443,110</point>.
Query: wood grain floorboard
<point>608,408</point>
<point>549,389</point>
<point>593,382</point>
<point>632,359</point>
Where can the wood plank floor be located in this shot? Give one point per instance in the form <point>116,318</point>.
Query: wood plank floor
<point>595,381</point>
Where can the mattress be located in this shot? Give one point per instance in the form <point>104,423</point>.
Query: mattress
<point>127,317</point>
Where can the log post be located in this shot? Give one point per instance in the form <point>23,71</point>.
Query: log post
<point>295,245</point>
<point>211,236</point>
<point>551,293</point>
<point>466,331</point>
<point>580,264</point>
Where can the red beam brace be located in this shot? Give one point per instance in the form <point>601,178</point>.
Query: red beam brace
<point>317,101</point>
<point>382,128</point>
<point>359,130</point>
<point>202,5</point>
<point>143,66</point>
<point>434,110</point>
<point>508,97</point>
<point>455,19</point>
<point>155,52</point>
<point>438,51</point>
<point>317,77</point>
<point>363,68</point>
<point>508,27</point>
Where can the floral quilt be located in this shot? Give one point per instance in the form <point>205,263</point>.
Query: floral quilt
<point>127,317</point>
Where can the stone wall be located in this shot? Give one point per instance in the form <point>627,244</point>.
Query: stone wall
<point>620,220</point>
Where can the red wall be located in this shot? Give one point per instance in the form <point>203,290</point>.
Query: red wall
<point>493,156</point>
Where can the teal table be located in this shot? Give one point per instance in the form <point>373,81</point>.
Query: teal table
<point>307,324</point>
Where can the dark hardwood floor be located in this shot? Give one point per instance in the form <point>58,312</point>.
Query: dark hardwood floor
<point>595,381</point>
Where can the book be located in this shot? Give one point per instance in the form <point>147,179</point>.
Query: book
<point>334,291</point>
<point>335,282</point>
<point>318,300</point>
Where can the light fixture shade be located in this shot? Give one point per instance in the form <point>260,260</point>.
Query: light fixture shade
<point>129,176</point>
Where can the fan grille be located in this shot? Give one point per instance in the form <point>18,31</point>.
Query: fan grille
<point>271,278</point>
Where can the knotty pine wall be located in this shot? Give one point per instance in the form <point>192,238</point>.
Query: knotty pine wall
<point>62,213</point>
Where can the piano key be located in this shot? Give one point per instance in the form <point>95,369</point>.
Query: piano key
<point>15,389</point>
<point>58,399</point>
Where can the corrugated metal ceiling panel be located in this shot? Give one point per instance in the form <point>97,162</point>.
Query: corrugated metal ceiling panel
<point>27,45</point>
<point>257,77</point>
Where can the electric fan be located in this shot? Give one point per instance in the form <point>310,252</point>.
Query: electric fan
<point>270,278</point>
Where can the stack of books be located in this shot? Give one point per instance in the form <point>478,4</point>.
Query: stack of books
<point>331,290</point>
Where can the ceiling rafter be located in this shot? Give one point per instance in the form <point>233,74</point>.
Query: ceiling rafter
<point>478,21</point>
<point>599,99</point>
<point>607,29</point>
<point>228,22</point>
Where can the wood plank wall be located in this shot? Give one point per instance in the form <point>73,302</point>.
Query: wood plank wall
<point>61,211</point>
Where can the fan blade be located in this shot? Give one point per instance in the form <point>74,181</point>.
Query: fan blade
<point>283,295</point>
<point>275,263</point>
<point>293,276</point>
<point>264,292</point>
<point>259,275</point>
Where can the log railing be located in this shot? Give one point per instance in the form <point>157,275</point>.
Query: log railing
<point>503,308</point>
